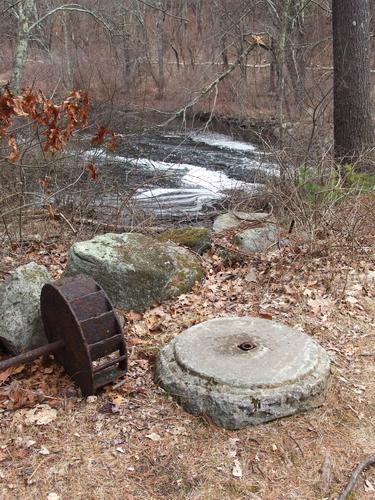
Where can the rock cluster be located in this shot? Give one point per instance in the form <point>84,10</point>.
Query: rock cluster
<point>135,271</point>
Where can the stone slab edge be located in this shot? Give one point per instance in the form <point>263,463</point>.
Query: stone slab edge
<point>234,408</point>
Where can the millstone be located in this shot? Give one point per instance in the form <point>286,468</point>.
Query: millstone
<point>243,371</point>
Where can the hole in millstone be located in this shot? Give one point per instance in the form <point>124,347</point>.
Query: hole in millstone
<point>247,346</point>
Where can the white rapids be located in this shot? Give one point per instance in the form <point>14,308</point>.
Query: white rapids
<point>178,187</point>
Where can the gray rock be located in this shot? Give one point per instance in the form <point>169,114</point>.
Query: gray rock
<point>243,371</point>
<point>231,220</point>
<point>135,270</point>
<point>21,326</point>
<point>257,239</point>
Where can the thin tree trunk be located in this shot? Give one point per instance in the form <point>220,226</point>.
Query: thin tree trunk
<point>126,53</point>
<point>273,69</point>
<point>160,18</point>
<point>353,126</point>
<point>296,52</point>
<point>67,47</point>
<point>280,69</point>
<point>25,10</point>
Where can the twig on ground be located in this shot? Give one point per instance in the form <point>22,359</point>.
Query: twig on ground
<point>326,474</point>
<point>354,478</point>
<point>114,227</point>
<point>62,216</point>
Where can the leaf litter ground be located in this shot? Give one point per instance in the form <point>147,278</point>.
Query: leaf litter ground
<point>133,441</point>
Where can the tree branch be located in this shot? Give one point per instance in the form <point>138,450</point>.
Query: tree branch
<point>256,42</point>
<point>164,11</point>
<point>354,478</point>
<point>70,7</point>
<point>10,7</point>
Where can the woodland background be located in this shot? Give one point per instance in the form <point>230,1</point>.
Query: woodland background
<point>158,54</point>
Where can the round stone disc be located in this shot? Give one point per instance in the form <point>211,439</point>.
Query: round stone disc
<point>217,350</point>
<point>243,371</point>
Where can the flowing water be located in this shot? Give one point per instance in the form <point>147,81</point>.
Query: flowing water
<point>173,174</point>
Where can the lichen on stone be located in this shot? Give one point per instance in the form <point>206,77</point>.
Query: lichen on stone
<point>195,238</point>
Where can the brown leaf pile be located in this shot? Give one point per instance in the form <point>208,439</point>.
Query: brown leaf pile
<point>163,452</point>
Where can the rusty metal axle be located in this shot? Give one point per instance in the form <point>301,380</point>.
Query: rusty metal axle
<point>29,356</point>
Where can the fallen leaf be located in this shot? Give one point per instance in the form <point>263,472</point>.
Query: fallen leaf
<point>43,451</point>
<point>265,315</point>
<point>369,486</point>
<point>41,415</point>
<point>4,375</point>
<point>133,316</point>
<point>153,436</point>
<point>29,443</point>
<point>53,496</point>
<point>251,276</point>
<point>20,454</point>
<point>320,305</point>
<point>290,290</point>
<point>117,400</point>
<point>351,300</point>
<point>154,322</point>
<point>18,369</point>
<point>237,469</point>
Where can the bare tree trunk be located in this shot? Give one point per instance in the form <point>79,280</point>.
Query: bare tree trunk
<point>67,51</point>
<point>160,18</point>
<point>273,69</point>
<point>280,68</point>
<point>24,10</point>
<point>126,53</point>
<point>296,52</point>
<point>353,126</point>
<point>199,15</point>
<point>224,51</point>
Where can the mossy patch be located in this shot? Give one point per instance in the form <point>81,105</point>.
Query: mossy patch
<point>195,238</point>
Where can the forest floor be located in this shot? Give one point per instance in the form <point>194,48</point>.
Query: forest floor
<point>134,441</point>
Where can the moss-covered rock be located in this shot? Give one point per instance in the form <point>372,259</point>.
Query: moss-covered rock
<point>195,238</point>
<point>135,270</point>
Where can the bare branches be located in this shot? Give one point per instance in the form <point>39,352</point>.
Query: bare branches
<point>72,8</point>
<point>356,473</point>
<point>10,7</point>
<point>164,11</point>
<point>256,42</point>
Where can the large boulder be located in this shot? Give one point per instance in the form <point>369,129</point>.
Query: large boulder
<point>135,270</point>
<point>21,326</point>
<point>195,238</point>
<point>232,220</point>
